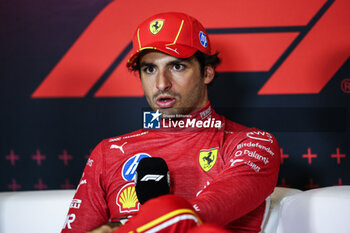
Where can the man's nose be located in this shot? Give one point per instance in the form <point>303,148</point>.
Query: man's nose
<point>163,81</point>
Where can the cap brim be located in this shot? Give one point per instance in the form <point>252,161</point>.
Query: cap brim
<point>176,50</point>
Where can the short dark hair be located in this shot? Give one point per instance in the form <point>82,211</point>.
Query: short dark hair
<point>207,60</point>
<point>203,59</point>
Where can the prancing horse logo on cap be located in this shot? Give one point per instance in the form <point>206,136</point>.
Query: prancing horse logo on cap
<point>156,25</point>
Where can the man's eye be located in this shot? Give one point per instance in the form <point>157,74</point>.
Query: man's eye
<point>178,67</point>
<point>149,69</point>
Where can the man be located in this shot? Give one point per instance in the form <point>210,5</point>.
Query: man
<point>226,171</point>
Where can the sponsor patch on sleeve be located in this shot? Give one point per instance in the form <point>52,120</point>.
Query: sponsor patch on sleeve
<point>260,135</point>
<point>129,167</point>
<point>127,199</point>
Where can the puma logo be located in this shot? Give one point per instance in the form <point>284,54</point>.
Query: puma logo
<point>174,50</point>
<point>118,147</point>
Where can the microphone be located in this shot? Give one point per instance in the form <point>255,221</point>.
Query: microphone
<point>151,179</point>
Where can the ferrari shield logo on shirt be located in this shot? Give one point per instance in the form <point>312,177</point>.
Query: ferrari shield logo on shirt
<point>127,199</point>
<point>129,167</point>
<point>207,158</point>
<point>156,25</point>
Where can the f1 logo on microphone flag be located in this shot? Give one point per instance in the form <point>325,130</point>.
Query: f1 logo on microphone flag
<point>152,177</point>
<point>151,120</point>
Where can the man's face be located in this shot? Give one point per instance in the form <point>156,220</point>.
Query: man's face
<point>173,85</point>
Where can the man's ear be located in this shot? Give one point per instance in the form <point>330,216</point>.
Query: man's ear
<point>209,74</point>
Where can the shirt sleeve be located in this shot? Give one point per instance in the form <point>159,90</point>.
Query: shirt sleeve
<point>88,208</point>
<point>248,177</point>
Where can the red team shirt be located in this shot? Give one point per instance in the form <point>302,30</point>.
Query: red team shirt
<point>226,173</point>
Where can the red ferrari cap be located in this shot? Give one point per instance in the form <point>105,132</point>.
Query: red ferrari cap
<point>173,33</point>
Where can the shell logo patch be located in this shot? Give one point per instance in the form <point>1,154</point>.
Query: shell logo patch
<point>207,158</point>
<point>156,25</point>
<point>127,199</point>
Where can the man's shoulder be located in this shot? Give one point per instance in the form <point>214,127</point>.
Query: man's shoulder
<point>239,137</point>
<point>232,126</point>
<point>233,129</point>
<point>119,141</point>
<point>138,134</point>
<point>238,132</point>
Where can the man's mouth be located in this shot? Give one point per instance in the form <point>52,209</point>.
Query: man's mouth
<point>165,101</point>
